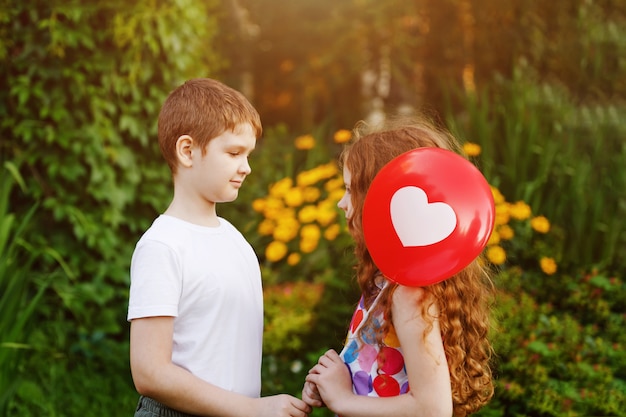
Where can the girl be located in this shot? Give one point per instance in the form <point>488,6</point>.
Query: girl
<point>410,351</point>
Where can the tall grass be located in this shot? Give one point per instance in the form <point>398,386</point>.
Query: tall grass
<point>568,161</point>
<point>19,294</point>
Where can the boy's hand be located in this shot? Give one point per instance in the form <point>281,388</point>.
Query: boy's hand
<point>311,395</point>
<point>282,405</point>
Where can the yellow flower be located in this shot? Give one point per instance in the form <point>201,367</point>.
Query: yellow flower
<point>503,214</point>
<point>342,136</point>
<point>498,198</point>
<point>306,178</point>
<point>310,231</point>
<point>305,142</point>
<point>336,195</point>
<point>293,259</point>
<point>311,194</point>
<point>548,265</point>
<point>334,184</point>
<point>294,197</point>
<point>275,251</point>
<point>496,255</point>
<point>328,170</point>
<point>326,212</point>
<point>540,224</point>
<point>494,239</point>
<point>280,188</point>
<point>258,205</point>
<point>273,208</point>
<point>332,232</point>
<point>266,227</point>
<point>307,214</point>
<point>308,245</point>
<point>520,210</point>
<point>471,149</point>
<point>506,232</point>
<point>286,229</point>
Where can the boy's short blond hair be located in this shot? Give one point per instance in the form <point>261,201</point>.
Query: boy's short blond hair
<point>202,108</point>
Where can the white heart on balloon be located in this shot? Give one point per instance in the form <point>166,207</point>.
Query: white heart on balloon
<point>418,222</point>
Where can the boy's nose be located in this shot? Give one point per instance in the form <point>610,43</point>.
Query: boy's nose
<point>245,168</point>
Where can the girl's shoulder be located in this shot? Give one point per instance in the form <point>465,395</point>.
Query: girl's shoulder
<point>408,299</point>
<point>405,294</point>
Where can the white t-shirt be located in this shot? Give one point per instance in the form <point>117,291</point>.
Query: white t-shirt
<point>209,279</point>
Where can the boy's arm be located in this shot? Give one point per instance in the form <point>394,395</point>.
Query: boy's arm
<point>155,376</point>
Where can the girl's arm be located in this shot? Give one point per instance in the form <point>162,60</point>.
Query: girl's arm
<point>429,379</point>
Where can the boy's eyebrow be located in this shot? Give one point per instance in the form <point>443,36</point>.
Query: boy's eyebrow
<point>240,147</point>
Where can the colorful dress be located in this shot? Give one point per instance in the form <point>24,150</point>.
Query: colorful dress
<point>376,371</point>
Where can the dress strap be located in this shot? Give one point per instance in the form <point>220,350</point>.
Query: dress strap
<point>367,312</point>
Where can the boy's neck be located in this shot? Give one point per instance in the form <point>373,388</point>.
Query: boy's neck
<point>202,215</point>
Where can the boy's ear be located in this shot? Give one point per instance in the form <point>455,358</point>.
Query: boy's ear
<point>184,149</point>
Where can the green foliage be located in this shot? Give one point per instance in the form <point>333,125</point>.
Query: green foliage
<point>82,84</point>
<point>289,315</point>
<point>560,346</point>
<point>565,160</point>
<point>90,380</point>
<point>86,81</point>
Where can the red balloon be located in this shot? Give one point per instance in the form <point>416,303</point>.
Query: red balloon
<point>427,215</point>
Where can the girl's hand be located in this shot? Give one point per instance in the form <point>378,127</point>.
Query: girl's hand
<point>332,379</point>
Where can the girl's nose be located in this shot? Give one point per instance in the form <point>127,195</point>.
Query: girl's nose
<point>342,204</point>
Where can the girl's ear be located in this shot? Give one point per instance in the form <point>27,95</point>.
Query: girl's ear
<point>184,151</point>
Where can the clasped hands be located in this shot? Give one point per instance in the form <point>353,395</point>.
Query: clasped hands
<point>327,382</point>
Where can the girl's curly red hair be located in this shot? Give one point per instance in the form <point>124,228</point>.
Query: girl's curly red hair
<point>463,300</point>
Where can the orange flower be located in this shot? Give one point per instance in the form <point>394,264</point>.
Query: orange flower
<point>275,251</point>
<point>506,232</point>
<point>293,259</point>
<point>305,142</point>
<point>548,265</point>
<point>471,149</point>
<point>496,255</point>
<point>520,210</point>
<point>342,136</point>
<point>540,224</point>
<point>332,232</point>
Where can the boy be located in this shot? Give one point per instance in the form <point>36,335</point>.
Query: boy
<point>196,301</point>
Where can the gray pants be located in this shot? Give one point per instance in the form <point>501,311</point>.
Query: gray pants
<point>147,407</point>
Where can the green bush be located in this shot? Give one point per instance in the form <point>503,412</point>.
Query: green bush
<point>560,346</point>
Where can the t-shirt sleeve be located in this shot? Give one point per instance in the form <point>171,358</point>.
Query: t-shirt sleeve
<point>155,281</point>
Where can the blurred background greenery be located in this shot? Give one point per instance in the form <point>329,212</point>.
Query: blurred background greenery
<point>535,90</point>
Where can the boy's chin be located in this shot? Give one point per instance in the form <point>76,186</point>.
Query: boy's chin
<point>229,199</point>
